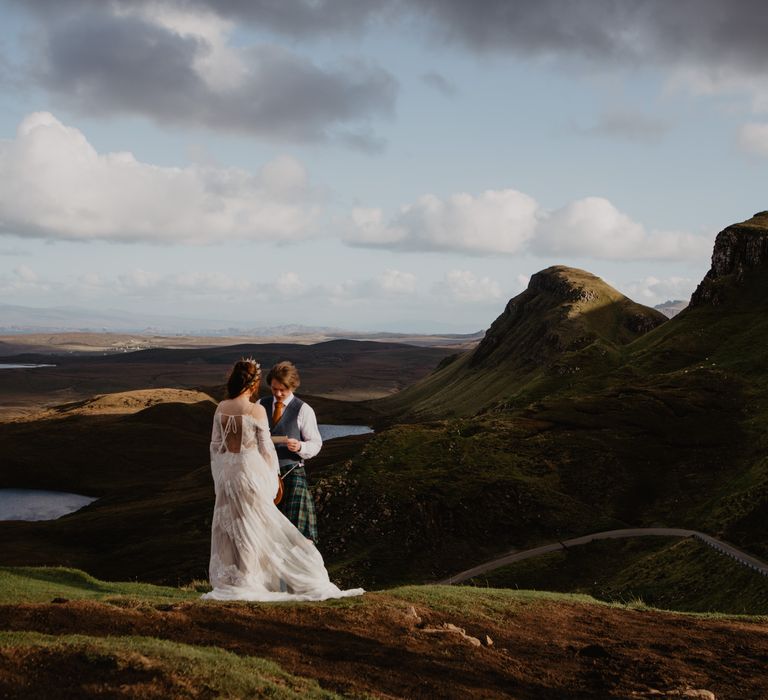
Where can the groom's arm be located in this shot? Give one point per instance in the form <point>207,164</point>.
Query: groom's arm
<point>311,441</point>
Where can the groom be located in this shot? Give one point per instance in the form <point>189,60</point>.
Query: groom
<point>291,418</point>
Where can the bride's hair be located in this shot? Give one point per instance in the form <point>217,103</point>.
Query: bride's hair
<point>243,376</point>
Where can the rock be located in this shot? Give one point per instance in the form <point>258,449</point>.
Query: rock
<point>488,641</point>
<point>450,628</point>
<point>412,617</point>
<point>738,250</point>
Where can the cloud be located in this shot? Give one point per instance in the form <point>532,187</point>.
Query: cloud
<point>390,284</point>
<point>164,62</point>
<point>396,282</point>
<point>594,227</point>
<point>630,126</point>
<point>496,221</point>
<point>439,82</point>
<point>465,287</point>
<point>753,138</point>
<point>26,274</point>
<point>22,279</point>
<point>653,290</point>
<point>57,186</point>
<point>289,284</point>
<point>509,222</point>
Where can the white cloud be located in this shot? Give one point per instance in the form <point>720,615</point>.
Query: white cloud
<point>653,290</point>
<point>509,222</point>
<point>26,274</point>
<point>396,282</point>
<point>388,284</point>
<point>465,287</point>
<point>289,284</point>
<point>56,185</point>
<point>496,221</point>
<point>593,227</point>
<point>753,138</point>
<point>23,279</point>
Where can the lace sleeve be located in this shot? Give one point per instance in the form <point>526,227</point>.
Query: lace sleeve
<point>265,445</point>
<point>216,435</point>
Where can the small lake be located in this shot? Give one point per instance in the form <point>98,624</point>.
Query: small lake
<point>13,366</point>
<point>28,504</point>
<point>329,432</point>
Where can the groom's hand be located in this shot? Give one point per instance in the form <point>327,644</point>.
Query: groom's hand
<point>293,445</point>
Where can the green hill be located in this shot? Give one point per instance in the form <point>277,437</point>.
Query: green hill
<point>563,437</point>
<point>568,323</point>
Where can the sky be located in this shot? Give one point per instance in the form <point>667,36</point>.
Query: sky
<point>368,166</point>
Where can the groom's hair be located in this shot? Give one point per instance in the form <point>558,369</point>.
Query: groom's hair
<point>243,376</point>
<point>286,373</point>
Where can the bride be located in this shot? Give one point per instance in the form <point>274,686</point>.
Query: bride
<point>256,552</point>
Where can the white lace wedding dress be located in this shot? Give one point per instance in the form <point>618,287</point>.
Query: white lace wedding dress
<point>256,552</point>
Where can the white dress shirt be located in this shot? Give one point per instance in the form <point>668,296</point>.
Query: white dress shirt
<point>311,441</point>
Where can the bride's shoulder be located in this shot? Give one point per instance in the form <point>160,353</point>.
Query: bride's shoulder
<point>258,411</point>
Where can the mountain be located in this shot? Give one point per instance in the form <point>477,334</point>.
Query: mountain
<point>671,308</point>
<point>567,323</point>
<point>563,423</point>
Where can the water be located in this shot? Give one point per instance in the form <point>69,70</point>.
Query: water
<point>329,432</point>
<point>28,504</point>
<point>13,366</point>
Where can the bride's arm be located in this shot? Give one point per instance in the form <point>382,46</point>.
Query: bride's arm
<point>263,438</point>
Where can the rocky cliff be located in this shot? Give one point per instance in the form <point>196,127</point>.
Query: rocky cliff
<point>740,250</point>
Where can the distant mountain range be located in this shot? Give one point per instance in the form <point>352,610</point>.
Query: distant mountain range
<point>671,308</point>
<point>26,319</point>
<point>15,319</point>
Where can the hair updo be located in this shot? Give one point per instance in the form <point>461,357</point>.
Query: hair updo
<point>244,375</point>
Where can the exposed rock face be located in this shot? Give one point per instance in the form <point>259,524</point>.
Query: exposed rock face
<point>557,282</point>
<point>738,250</point>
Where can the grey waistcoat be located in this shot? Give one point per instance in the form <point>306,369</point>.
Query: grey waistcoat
<point>288,425</point>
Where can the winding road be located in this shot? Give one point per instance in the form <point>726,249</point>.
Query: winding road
<point>723,547</point>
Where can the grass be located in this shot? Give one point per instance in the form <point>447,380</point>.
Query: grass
<point>42,584</point>
<point>664,573</point>
<point>493,603</point>
<point>156,667</point>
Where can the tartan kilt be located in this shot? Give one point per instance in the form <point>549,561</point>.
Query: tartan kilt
<point>297,504</point>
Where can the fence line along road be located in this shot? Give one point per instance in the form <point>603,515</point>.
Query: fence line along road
<point>723,547</point>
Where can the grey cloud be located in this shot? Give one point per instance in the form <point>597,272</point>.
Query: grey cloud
<point>440,83</point>
<point>652,30</point>
<point>102,63</point>
<point>708,30</point>
<point>291,17</point>
<point>630,126</point>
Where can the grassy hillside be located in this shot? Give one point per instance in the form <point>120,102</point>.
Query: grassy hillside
<point>561,436</point>
<point>68,635</point>
<point>661,572</point>
<point>568,323</point>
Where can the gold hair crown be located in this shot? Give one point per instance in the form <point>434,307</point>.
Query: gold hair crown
<point>250,361</point>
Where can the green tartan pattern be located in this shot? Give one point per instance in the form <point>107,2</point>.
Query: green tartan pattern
<point>297,504</point>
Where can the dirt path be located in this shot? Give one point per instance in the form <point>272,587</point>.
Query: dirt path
<point>515,556</point>
<point>387,647</point>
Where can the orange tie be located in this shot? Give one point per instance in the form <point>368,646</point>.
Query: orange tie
<point>278,412</point>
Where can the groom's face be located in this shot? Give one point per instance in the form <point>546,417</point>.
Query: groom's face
<point>279,390</point>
